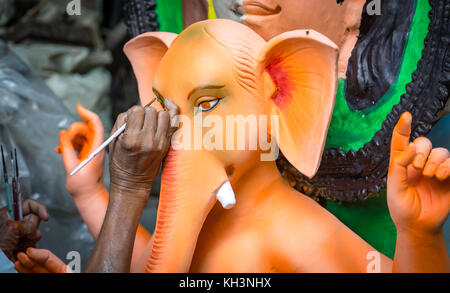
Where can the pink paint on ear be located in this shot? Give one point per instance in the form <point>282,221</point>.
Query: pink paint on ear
<point>303,67</point>
<point>284,85</point>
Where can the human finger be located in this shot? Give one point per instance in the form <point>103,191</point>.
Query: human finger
<point>163,124</point>
<point>174,112</point>
<point>47,259</point>
<point>120,121</point>
<point>21,268</point>
<point>31,206</point>
<point>135,119</point>
<point>25,260</point>
<point>150,121</point>
<point>29,225</point>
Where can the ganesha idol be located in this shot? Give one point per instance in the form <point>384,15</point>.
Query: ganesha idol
<point>393,58</point>
<point>224,210</point>
<point>269,18</point>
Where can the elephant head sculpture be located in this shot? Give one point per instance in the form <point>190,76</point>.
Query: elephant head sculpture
<point>223,68</point>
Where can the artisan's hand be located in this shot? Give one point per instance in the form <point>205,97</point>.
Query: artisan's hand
<point>40,261</point>
<point>418,187</point>
<point>83,138</point>
<point>16,236</point>
<point>135,158</point>
<point>136,155</point>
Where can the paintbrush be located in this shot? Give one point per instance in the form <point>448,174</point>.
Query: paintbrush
<point>105,144</point>
<point>5,178</point>
<point>17,195</point>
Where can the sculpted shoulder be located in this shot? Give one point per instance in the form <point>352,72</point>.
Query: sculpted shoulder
<point>301,230</point>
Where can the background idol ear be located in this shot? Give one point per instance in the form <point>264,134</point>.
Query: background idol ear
<point>145,52</point>
<point>299,74</point>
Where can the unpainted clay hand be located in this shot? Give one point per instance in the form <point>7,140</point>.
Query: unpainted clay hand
<point>16,236</point>
<point>418,188</point>
<point>40,261</point>
<point>136,155</point>
<point>83,138</point>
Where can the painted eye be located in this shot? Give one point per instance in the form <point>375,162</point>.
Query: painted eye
<point>208,105</point>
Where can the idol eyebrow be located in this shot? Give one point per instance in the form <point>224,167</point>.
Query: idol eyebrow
<point>205,87</point>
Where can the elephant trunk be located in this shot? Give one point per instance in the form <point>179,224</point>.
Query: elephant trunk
<point>190,183</point>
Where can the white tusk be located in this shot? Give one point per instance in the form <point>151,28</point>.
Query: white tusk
<point>226,196</point>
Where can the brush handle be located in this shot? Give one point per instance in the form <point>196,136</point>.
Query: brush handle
<point>17,201</point>
<point>99,149</point>
<point>9,200</point>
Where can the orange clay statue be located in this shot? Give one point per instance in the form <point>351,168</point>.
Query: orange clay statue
<point>340,23</point>
<point>223,68</point>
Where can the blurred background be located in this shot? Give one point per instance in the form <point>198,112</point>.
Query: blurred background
<point>49,62</point>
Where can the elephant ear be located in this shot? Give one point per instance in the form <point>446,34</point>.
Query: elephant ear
<point>145,53</point>
<point>299,73</point>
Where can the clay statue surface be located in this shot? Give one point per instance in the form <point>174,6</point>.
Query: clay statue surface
<point>219,68</point>
<point>376,81</point>
<point>340,23</point>
<point>376,84</point>
<point>390,50</point>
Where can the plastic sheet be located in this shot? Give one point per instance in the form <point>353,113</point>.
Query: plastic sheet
<point>75,74</point>
<point>6,11</point>
<point>31,117</point>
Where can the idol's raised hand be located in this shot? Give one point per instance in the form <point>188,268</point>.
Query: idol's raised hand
<point>76,143</point>
<point>418,187</point>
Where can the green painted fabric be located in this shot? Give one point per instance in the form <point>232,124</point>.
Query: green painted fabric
<point>370,219</point>
<point>352,129</point>
<point>170,15</point>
